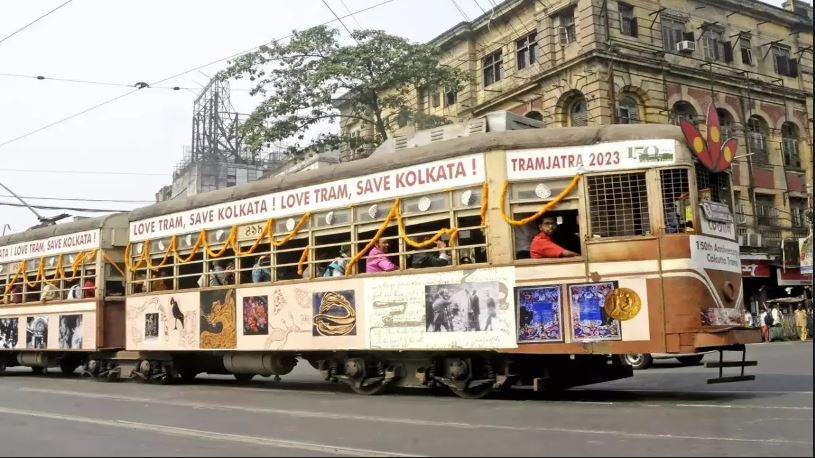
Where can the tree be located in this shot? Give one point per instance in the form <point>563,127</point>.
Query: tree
<point>313,79</point>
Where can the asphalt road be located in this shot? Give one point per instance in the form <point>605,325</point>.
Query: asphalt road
<point>667,410</point>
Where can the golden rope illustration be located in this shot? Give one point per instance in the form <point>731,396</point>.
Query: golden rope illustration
<point>335,325</point>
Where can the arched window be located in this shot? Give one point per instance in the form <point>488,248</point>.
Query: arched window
<point>789,145</point>
<point>628,111</point>
<point>727,122</point>
<point>683,110</point>
<point>757,133</point>
<point>578,112</point>
<point>536,115</point>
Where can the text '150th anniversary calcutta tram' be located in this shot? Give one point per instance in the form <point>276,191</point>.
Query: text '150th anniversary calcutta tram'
<point>418,266</point>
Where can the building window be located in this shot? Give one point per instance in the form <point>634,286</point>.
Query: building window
<point>536,115</point>
<point>628,21</point>
<point>789,145</point>
<point>746,51</point>
<point>618,205</point>
<point>757,133</point>
<point>493,68</point>
<point>435,99</point>
<point>766,213</point>
<point>713,46</point>
<point>566,28</point>
<point>727,123</point>
<point>527,50</point>
<point>673,32</point>
<point>782,63</point>
<point>578,112</point>
<point>627,111</point>
<point>450,97</point>
<point>683,110</point>
<point>798,208</point>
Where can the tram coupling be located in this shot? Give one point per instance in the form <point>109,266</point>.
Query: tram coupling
<point>721,364</point>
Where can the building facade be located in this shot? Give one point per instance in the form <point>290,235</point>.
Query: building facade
<point>590,62</point>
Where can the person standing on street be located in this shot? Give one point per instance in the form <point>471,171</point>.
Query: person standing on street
<point>765,326</point>
<point>801,322</point>
<point>776,328</point>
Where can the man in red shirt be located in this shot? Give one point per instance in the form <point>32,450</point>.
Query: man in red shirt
<point>542,245</point>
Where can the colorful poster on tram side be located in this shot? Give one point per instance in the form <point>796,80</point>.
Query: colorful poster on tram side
<point>589,319</point>
<point>539,314</point>
<point>443,310</point>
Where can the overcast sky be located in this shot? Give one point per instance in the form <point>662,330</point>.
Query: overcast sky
<point>142,135</point>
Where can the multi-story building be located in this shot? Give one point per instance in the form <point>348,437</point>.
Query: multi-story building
<point>589,62</point>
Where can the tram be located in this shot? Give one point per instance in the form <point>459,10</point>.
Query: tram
<point>413,267</point>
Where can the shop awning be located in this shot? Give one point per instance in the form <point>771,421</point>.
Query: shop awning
<point>754,268</point>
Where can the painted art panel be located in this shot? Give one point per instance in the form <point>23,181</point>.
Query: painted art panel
<point>166,322</point>
<point>256,315</point>
<point>442,310</point>
<point>334,313</point>
<point>218,320</point>
<point>539,314</point>
<point>70,332</point>
<point>9,333</point>
<point>589,320</point>
<point>36,332</point>
<point>291,313</point>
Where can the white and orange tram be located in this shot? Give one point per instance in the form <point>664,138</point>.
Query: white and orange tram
<point>413,268</point>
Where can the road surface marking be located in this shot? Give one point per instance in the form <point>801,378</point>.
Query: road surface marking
<point>199,434</point>
<point>405,421</point>
<point>700,391</point>
<point>731,406</point>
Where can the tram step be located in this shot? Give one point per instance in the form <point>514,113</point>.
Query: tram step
<point>736,378</point>
<point>730,363</point>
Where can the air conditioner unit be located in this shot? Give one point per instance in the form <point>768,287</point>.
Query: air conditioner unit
<point>686,46</point>
<point>754,240</point>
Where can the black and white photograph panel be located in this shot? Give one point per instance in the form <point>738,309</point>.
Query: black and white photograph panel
<point>36,332</point>
<point>467,307</point>
<point>9,333</point>
<point>70,332</point>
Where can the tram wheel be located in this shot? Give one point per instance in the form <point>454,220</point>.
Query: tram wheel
<point>373,388</point>
<point>479,391</point>
<point>244,378</point>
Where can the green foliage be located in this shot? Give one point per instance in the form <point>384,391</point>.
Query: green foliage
<point>312,80</point>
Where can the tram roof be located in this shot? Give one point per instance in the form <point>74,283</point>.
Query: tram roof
<point>476,143</point>
<point>99,222</point>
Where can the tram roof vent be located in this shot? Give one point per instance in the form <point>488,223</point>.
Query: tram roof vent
<point>498,121</point>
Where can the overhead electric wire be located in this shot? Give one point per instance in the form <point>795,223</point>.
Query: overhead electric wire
<point>98,83</point>
<point>348,10</point>
<point>73,209</point>
<point>338,18</point>
<point>33,22</point>
<point>106,102</point>
<point>79,199</point>
<point>87,172</point>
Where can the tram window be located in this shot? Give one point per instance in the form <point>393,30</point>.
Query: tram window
<point>249,264</point>
<point>222,269</point>
<point>712,186</point>
<point>288,256</point>
<point>332,251</point>
<point>676,203</point>
<point>618,205</point>
<point>472,242</point>
<point>390,236</point>
<point>421,228</point>
<point>527,199</point>
<point>190,273</point>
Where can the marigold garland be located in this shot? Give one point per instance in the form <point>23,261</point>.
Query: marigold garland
<point>485,197</point>
<point>549,205</point>
<point>303,259</point>
<point>353,261</point>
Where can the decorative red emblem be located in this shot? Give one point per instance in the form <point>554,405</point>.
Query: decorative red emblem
<point>713,153</point>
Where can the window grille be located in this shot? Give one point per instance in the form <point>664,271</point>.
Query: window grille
<point>676,202</point>
<point>618,205</point>
<point>712,186</point>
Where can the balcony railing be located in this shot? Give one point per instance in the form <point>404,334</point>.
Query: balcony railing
<point>766,215</point>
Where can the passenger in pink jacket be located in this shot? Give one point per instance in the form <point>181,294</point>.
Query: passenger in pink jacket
<point>377,260</point>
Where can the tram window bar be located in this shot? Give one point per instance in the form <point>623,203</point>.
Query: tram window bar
<point>618,205</point>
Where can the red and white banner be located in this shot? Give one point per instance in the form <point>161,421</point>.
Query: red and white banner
<point>80,241</point>
<point>755,268</point>
<point>793,277</point>
<point>537,163</point>
<point>417,179</point>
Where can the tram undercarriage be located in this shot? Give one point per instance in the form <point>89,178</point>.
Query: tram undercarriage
<point>469,375</point>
